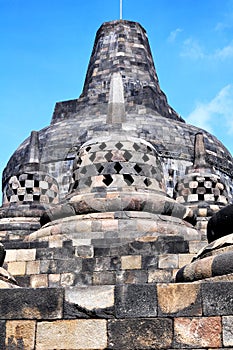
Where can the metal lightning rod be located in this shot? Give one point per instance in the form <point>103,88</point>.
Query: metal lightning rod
<point>120,9</point>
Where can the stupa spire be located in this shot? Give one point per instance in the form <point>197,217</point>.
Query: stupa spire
<point>116,104</point>
<point>122,46</point>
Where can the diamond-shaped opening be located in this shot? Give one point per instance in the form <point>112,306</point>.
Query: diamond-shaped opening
<point>128,179</point>
<point>29,190</point>
<point>119,145</point>
<point>118,167</point>
<point>21,198</point>
<point>153,170</point>
<point>103,145</point>
<point>99,168</point>
<point>127,155</point>
<point>108,156</point>
<point>107,180</point>
<point>22,183</point>
<point>147,182</point>
<point>136,147</point>
<point>88,182</point>
<point>92,157</point>
<point>83,170</point>
<point>30,176</point>
<point>145,158</point>
<point>137,168</point>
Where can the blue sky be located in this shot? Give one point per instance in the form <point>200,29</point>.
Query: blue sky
<point>46,45</point>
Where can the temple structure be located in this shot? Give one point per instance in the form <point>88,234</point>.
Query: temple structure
<point>104,218</point>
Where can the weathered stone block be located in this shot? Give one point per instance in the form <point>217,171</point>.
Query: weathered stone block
<point>67,279</point>
<point>17,268</point>
<point>134,300</point>
<point>31,303</point>
<point>131,276</point>
<point>91,297</point>
<point>11,255</point>
<point>84,251</point>
<point>168,261</point>
<point>71,334</point>
<point>140,334</point>
<point>227,324</point>
<point>104,277</point>
<point>54,280</point>
<point>159,276</point>
<point>38,281</point>
<point>180,299</point>
<point>26,254</point>
<point>197,332</point>
<point>217,298</point>
<point>32,267</point>
<point>131,262</point>
<point>150,262</point>
<point>20,334</point>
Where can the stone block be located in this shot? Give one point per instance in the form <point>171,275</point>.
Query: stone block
<point>10,255</point>
<point>54,280</point>
<point>30,304</point>
<point>135,300</point>
<point>20,334</point>
<point>32,267</point>
<point>17,268</point>
<point>67,279</point>
<point>168,261</point>
<point>104,277</point>
<point>46,254</point>
<point>84,251</point>
<point>149,262</point>
<point>83,279</point>
<point>197,332</point>
<point>131,262</point>
<point>69,265</point>
<point>180,299</point>
<point>159,276</point>
<point>140,334</point>
<point>131,276</point>
<point>227,324</point>
<point>26,254</point>
<point>217,298</point>
<point>39,281</point>
<point>90,297</point>
<point>71,334</point>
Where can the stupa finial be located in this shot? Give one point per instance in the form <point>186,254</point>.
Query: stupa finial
<point>199,151</point>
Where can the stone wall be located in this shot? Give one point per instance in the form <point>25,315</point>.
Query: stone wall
<point>106,250</point>
<point>139,316</point>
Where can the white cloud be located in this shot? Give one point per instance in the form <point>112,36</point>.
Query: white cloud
<point>193,49</point>
<point>218,110</point>
<point>225,52</point>
<point>173,35</point>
